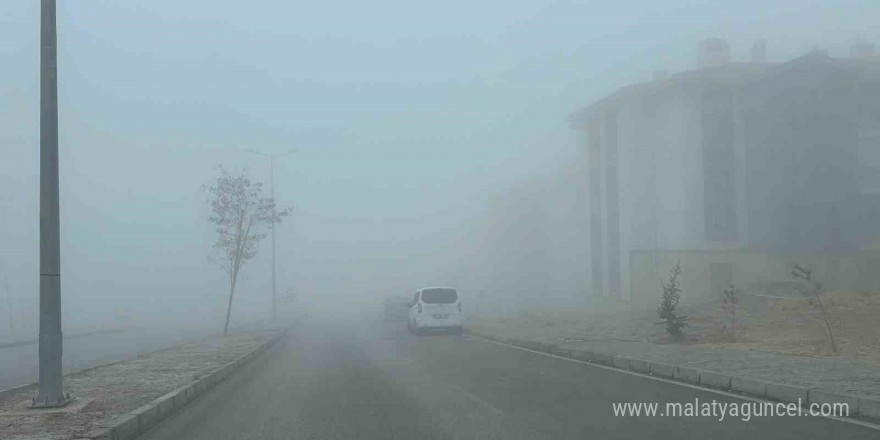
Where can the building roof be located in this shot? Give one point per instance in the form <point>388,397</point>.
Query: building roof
<point>437,287</point>
<point>731,73</point>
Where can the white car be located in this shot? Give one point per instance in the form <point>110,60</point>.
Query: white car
<point>435,308</point>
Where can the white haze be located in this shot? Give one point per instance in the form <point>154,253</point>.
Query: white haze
<point>434,148</point>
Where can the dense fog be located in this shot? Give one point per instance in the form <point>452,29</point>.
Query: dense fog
<point>434,142</point>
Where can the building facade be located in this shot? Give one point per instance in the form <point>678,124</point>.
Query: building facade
<point>734,169</point>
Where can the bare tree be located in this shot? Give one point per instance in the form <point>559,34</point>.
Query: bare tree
<point>729,304</point>
<point>241,215</point>
<point>815,289</point>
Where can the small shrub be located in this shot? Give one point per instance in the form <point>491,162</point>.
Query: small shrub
<point>814,292</point>
<point>671,294</point>
<point>729,305</point>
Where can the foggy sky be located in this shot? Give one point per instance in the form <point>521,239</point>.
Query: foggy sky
<point>410,117</point>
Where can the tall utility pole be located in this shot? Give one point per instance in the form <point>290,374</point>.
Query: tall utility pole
<point>272,158</point>
<point>51,391</point>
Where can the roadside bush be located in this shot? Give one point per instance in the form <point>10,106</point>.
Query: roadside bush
<point>671,294</point>
<point>729,304</point>
<point>814,292</point>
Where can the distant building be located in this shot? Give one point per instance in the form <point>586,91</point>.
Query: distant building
<point>531,242</point>
<point>735,168</point>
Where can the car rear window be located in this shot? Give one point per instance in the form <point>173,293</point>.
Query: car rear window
<point>439,296</point>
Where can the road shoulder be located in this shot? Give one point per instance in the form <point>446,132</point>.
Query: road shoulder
<point>126,398</point>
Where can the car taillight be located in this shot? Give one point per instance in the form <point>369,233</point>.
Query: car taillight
<point>420,308</point>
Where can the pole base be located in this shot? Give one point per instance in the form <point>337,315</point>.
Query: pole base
<point>40,404</point>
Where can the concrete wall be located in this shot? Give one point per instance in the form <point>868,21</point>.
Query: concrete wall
<point>678,173</point>
<point>595,190</point>
<point>613,254</point>
<point>660,173</point>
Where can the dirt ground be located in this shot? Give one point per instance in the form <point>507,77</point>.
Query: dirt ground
<point>784,325</point>
<point>795,327</point>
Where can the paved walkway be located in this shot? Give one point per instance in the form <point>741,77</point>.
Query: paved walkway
<point>851,376</point>
<point>124,386</point>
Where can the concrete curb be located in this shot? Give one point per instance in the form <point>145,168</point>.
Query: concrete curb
<point>129,426</point>
<point>859,406</point>
<point>662,370</point>
<point>748,386</point>
<point>686,374</point>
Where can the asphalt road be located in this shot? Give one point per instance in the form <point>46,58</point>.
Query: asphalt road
<point>375,381</point>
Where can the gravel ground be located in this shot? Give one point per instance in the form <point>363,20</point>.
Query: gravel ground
<point>123,386</point>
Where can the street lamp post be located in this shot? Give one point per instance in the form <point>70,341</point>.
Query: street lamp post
<point>51,391</point>
<point>272,158</point>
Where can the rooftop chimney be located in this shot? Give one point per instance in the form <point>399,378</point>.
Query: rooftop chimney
<point>758,52</point>
<point>713,52</point>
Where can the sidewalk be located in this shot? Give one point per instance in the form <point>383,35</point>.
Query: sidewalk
<point>114,390</point>
<point>90,349</point>
<point>636,335</point>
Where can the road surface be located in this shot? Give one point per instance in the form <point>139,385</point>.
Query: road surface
<point>375,381</point>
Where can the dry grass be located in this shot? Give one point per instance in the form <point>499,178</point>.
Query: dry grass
<point>795,327</point>
<point>790,326</point>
